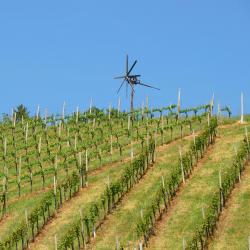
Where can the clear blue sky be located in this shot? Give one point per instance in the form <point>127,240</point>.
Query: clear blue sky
<point>56,51</point>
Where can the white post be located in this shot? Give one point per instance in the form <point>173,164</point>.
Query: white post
<point>140,246</point>
<point>59,128</point>
<point>193,134</point>
<point>14,120</point>
<point>155,141</point>
<point>141,212</point>
<point>12,114</point>
<point>212,104</point>
<point>182,170</point>
<point>183,243</point>
<point>220,182</point>
<point>82,226</point>
<point>132,152</point>
<point>86,159</point>
<point>54,185</point>
<point>26,217</point>
<point>117,243</point>
<point>218,111</point>
<point>39,145</point>
<point>108,181</point>
<point>147,103</point>
<point>19,169</point>
<point>179,102</point>
<point>26,133</point>
<point>80,158</point>
<point>55,237</point>
<point>63,110</point>
<point>75,141</point>
<point>45,115</point>
<point>55,164</point>
<point>128,122</point>
<point>90,106</point>
<point>203,213</point>
<point>109,111</point>
<point>242,111</point>
<point>163,182</point>
<point>77,114</point>
<point>119,106</point>
<point>111,144</point>
<point>5,146</point>
<point>86,164</point>
<point>37,112</point>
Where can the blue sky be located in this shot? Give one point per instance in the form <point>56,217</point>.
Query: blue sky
<point>56,51</point>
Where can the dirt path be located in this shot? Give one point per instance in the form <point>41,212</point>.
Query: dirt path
<point>233,228</point>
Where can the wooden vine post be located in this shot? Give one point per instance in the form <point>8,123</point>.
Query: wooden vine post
<point>179,104</point>
<point>182,170</point>
<point>55,192</point>
<point>117,243</point>
<point>45,117</point>
<point>196,152</point>
<point>221,193</point>
<point>119,107</point>
<point>55,240</point>
<point>86,167</point>
<point>246,134</point>
<point>241,108</point>
<point>109,111</point>
<point>183,243</point>
<point>111,145</point>
<point>19,176</point>
<point>37,112</point>
<point>80,169</point>
<point>203,213</point>
<point>82,229</point>
<point>77,114</point>
<point>63,111</point>
<point>131,151</point>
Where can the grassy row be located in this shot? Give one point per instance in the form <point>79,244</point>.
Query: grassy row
<point>167,190</point>
<point>191,204</point>
<point>205,228</point>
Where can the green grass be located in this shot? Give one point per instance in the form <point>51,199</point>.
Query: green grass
<point>121,223</point>
<point>234,226</point>
<point>84,198</point>
<point>181,221</point>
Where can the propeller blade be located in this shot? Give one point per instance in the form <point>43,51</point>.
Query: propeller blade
<point>120,86</point>
<point>148,86</point>
<point>119,77</point>
<point>132,67</point>
<point>134,75</point>
<point>126,64</point>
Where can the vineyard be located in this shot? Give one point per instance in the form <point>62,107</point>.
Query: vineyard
<point>151,179</point>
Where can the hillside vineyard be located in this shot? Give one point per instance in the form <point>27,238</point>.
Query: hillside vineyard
<point>151,179</point>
